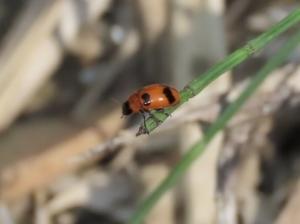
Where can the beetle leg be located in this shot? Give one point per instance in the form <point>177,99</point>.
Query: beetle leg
<point>144,120</point>
<point>161,110</point>
<point>157,121</point>
<point>150,114</point>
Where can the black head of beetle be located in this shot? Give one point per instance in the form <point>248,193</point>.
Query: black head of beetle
<point>126,110</point>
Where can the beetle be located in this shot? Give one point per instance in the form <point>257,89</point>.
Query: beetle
<point>151,97</point>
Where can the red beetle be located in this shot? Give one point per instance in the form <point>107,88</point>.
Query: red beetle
<point>151,97</point>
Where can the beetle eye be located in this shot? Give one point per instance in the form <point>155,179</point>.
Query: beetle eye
<point>126,110</point>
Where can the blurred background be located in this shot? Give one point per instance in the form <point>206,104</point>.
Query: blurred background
<point>66,156</point>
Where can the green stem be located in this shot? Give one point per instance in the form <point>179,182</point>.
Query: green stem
<point>198,84</point>
<point>218,125</point>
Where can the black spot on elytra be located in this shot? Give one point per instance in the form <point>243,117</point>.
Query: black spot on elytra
<point>126,110</point>
<point>147,99</point>
<point>168,93</point>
